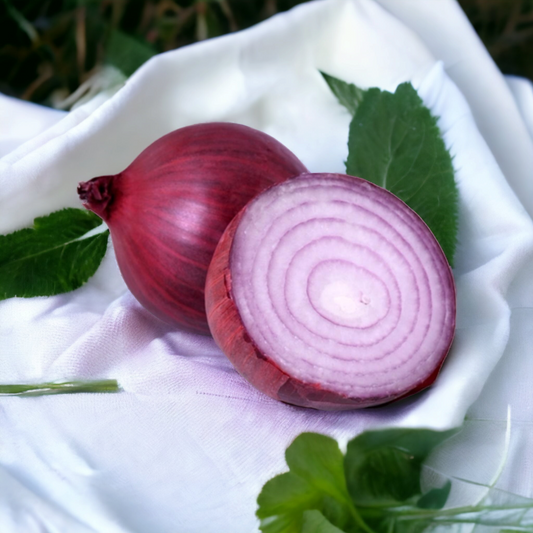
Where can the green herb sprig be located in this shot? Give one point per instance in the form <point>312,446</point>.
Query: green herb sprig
<point>58,254</point>
<point>374,487</point>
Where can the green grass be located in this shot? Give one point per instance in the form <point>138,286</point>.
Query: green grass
<point>48,48</point>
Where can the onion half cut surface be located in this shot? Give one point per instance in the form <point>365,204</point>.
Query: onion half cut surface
<point>327,291</point>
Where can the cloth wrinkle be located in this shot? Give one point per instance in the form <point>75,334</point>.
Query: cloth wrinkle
<point>186,428</point>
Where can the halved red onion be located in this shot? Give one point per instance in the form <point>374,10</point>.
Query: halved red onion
<point>167,210</point>
<point>327,291</point>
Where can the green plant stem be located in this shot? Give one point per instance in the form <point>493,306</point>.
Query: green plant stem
<point>360,522</point>
<point>65,387</point>
<point>415,514</point>
<point>357,518</point>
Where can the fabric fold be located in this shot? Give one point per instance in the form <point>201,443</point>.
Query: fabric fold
<point>188,444</point>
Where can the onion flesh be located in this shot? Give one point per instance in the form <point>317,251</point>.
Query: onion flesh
<point>327,291</point>
<point>167,210</point>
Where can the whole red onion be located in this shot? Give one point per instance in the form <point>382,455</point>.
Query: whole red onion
<point>327,291</point>
<point>168,209</point>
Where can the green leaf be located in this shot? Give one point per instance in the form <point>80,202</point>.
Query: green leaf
<point>435,498</point>
<point>285,499</point>
<point>383,473</point>
<point>282,502</point>
<point>53,257</point>
<point>315,522</point>
<point>349,95</point>
<point>384,466</point>
<point>318,459</point>
<point>126,53</point>
<point>395,142</point>
<point>315,481</point>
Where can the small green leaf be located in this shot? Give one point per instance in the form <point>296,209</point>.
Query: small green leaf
<point>384,466</point>
<point>315,481</point>
<point>395,142</point>
<point>284,498</point>
<point>435,498</point>
<point>53,257</point>
<point>349,95</point>
<point>315,522</point>
<point>318,459</point>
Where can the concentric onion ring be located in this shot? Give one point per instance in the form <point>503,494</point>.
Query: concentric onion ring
<point>327,291</point>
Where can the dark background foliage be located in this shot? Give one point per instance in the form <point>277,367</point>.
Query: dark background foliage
<point>48,48</point>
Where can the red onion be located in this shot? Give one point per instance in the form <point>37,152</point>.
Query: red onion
<point>327,291</point>
<point>168,209</point>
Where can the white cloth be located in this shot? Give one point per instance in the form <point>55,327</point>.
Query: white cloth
<point>188,445</point>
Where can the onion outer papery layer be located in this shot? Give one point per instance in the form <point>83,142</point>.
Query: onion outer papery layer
<point>167,211</point>
<point>292,279</point>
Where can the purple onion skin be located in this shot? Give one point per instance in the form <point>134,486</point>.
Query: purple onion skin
<point>232,337</point>
<point>167,211</point>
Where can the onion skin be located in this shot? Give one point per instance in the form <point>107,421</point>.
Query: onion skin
<point>167,210</point>
<point>232,336</point>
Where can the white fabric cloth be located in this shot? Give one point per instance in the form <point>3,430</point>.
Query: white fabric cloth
<point>188,445</point>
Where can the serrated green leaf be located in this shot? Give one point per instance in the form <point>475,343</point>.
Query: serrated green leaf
<point>395,142</point>
<point>315,522</point>
<point>348,94</point>
<point>52,257</point>
<point>384,466</point>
